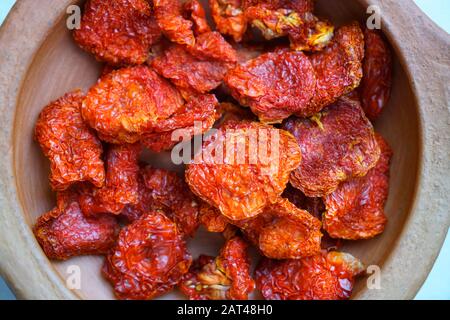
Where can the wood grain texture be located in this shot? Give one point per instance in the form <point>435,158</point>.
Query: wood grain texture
<point>39,62</point>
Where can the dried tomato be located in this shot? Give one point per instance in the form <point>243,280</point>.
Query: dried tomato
<point>212,46</point>
<point>211,218</point>
<point>149,259</point>
<point>225,277</point>
<point>171,194</point>
<point>189,72</point>
<point>316,207</point>
<point>300,6</point>
<point>119,32</point>
<point>121,185</point>
<point>229,18</point>
<point>338,68</point>
<point>243,167</point>
<point>376,84</point>
<point>326,276</point>
<point>337,144</point>
<point>356,209</point>
<point>196,117</point>
<point>170,17</point>
<point>306,31</point>
<point>274,85</point>
<point>284,231</point>
<point>72,147</point>
<point>195,10</point>
<point>126,103</point>
<point>65,232</point>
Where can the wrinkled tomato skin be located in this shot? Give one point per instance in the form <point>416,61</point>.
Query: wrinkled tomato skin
<point>325,276</point>
<point>211,218</point>
<point>200,110</point>
<point>229,18</point>
<point>72,147</point>
<point>252,84</point>
<point>120,32</point>
<point>338,68</point>
<point>283,231</point>
<point>337,144</point>
<point>149,259</point>
<point>188,72</point>
<point>121,185</point>
<point>356,209</point>
<point>126,103</point>
<point>65,232</point>
<point>227,184</point>
<point>195,10</point>
<point>171,194</point>
<point>224,277</point>
<point>170,18</point>
<point>213,46</point>
<point>376,83</point>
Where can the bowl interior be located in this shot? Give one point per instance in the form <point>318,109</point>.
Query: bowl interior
<point>60,66</point>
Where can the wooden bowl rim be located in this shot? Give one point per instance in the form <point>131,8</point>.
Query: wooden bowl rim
<point>32,276</point>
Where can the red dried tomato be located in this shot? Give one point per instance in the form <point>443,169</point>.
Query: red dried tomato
<point>121,186</point>
<point>282,18</point>
<point>196,117</point>
<point>243,167</point>
<point>72,147</point>
<point>225,277</point>
<point>65,232</point>
<point>274,85</point>
<point>356,209</point>
<point>119,32</point>
<point>149,259</point>
<point>170,17</point>
<point>171,194</point>
<point>376,84</point>
<point>189,72</point>
<point>284,231</point>
<point>337,144</point>
<point>229,18</point>
<point>126,103</point>
<point>338,68</point>
<point>211,218</point>
<point>194,9</point>
<point>326,276</point>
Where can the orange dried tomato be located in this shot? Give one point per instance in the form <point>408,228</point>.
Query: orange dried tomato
<point>196,117</point>
<point>229,18</point>
<point>240,181</point>
<point>283,231</point>
<point>119,32</point>
<point>72,147</point>
<point>126,103</point>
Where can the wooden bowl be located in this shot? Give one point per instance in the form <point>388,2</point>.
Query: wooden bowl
<point>40,62</point>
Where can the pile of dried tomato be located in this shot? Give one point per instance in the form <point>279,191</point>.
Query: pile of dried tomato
<point>273,76</point>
